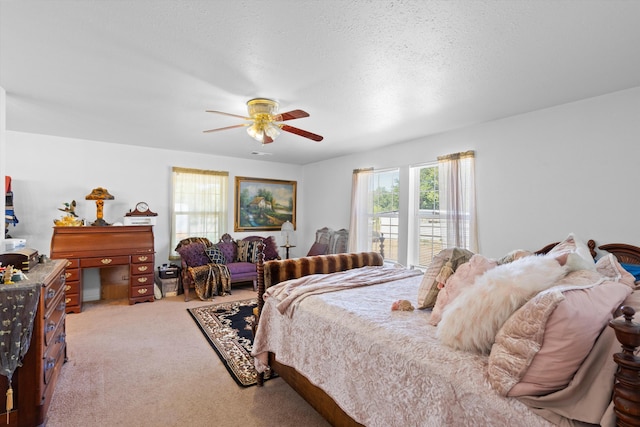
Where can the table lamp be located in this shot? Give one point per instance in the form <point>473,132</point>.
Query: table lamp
<point>99,195</point>
<point>287,231</point>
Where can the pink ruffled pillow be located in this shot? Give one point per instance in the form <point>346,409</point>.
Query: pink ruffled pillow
<point>542,345</point>
<point>462,278</point>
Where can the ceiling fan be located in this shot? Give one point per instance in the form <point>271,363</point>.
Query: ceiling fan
<point>265,121</point>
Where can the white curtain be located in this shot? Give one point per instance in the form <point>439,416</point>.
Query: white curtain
<point>361,224</point>
<point>199,205</point>
<point>458,199</point>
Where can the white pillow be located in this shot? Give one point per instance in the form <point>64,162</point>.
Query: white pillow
<point>473,319</point>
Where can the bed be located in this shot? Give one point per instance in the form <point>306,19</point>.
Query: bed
<point>357,362</point>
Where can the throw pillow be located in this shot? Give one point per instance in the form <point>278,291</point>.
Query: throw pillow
<point>472,320</point>
<point>318,249</point>
<point>193,254</point>
<point>270,249</point>
<point>541,347</point>
<point>428,291</point>
<point>248,250</point>
<point>609,267</point>
<point>570,245</point>
<point>464,276</point>
<point>215,255</point>
<point>230,251</point>
<point>633,269</point>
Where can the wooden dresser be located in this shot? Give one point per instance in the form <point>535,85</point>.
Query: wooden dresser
<point>35,381</point>
<point>95,247</point>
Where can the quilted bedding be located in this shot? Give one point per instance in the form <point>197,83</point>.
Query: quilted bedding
<point>393,369</point>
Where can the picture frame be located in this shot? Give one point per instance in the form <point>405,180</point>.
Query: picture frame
<point>263,204</point>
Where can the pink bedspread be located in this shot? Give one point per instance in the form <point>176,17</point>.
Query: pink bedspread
<point>393,371</point>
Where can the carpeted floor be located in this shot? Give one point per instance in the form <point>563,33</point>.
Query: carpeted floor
<point>227,326</point>
<point>148,365</point>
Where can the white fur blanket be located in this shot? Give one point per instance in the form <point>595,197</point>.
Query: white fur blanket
<point>473,319</point>
<point>292,292</point>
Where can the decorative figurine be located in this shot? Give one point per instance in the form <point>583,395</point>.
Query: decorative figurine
<point>69,208</point>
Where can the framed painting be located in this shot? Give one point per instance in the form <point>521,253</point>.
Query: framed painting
<point>264,204</point>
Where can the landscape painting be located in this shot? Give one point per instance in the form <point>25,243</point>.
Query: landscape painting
<point>264,204</point>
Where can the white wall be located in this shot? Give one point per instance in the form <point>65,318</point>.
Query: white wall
<point>539,176</point>
<point>49,171</point>
<point>3,128</point>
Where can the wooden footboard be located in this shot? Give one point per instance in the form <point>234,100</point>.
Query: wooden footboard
<point>626,396</point>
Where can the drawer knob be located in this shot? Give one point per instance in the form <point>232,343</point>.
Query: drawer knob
<point>50,327</point>
<point>50,364</point>
<point>142,258</point>
<point>142,279</point>
<point>67,275</point>
<point>68,263</point>
<point>67,300</point>
<point>50,293</point>
<point>67,288</point>
<point>143,268</point>
<point>106,260</point>
<point>142,291</point>
<point>61,337</point>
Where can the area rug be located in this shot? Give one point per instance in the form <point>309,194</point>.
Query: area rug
<point>227,327</point>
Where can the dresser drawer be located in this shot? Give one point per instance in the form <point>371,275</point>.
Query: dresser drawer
<point>137,269</point>
<point>142,291</point>
<point>54,355</point>
<point>72,263</point>
<point>54,320</point>
<point>71,301</point>
<point>72,287</point>
<point>139,259</point>
<point>103,261</point>
<point>143,279</point>
<point>53,289</point>
<point>72,275</point>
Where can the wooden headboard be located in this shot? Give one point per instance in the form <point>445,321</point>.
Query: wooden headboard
<point>627,254</point>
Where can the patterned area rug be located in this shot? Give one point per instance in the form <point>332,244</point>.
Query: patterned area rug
<point>227,326</point>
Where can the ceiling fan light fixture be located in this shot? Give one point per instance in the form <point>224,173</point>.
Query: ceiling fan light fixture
<point>257,106</point>
<point>272,131</point>
<point>256,132</point>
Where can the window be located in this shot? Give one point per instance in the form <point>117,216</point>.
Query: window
<point>420,210</point>
<point>430,237</point>
<point>199,205</point>
<point>374,211</point>
<point>386,206</point>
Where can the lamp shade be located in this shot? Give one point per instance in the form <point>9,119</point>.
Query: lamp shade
<point>287,231</point>
<point>99,193</point>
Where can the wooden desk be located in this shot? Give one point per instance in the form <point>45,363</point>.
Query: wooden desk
<point>95,247</point>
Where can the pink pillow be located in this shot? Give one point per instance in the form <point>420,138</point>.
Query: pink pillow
<point>462,278</point>
<point>609,267</point>
<point>569,334</point>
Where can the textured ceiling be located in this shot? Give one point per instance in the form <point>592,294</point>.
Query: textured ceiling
<point>370,73</point>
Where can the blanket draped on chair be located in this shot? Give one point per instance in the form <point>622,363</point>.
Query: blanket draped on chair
<point>211,280</point>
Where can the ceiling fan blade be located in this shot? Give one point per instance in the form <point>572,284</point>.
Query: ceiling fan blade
<point>228,127</point>
<point>229,114</point>
<point>301,132</point>
<point>290,115</point>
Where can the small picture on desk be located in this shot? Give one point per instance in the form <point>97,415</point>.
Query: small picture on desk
<point>264,204</point>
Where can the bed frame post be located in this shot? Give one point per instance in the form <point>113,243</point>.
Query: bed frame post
<point>626,391</point>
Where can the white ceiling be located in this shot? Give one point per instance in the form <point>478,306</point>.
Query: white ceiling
<point>370,73</point>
